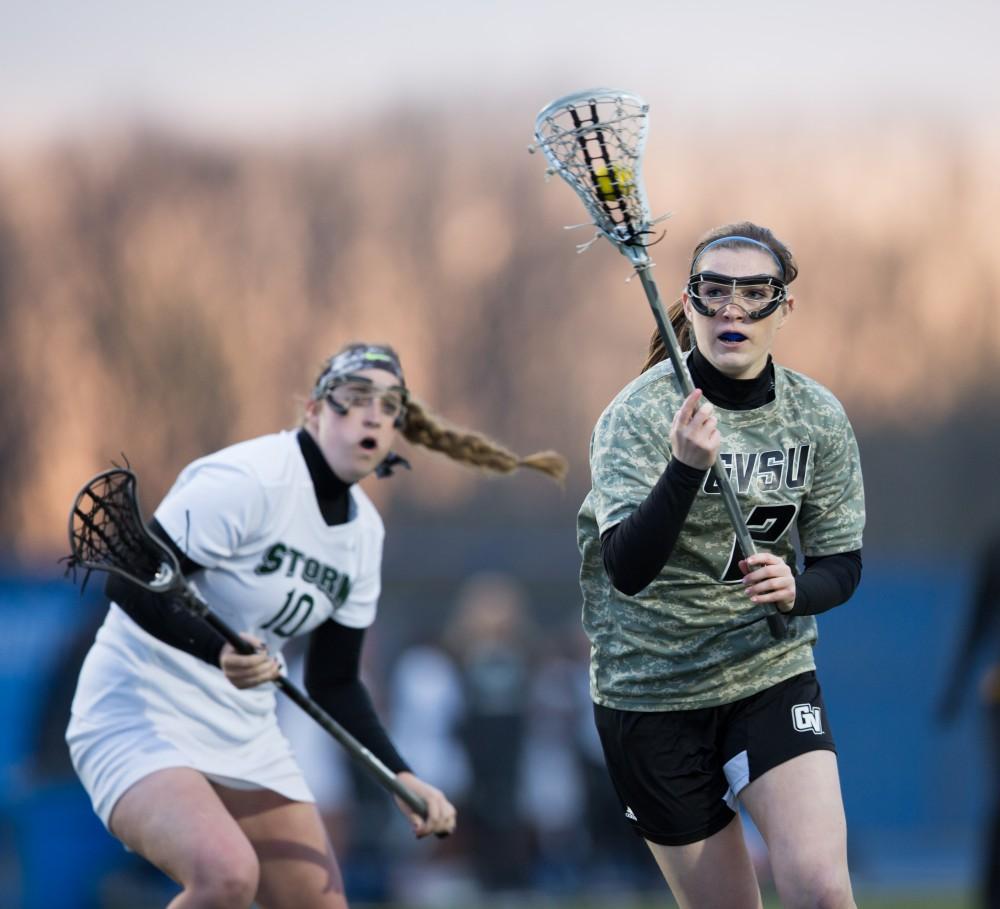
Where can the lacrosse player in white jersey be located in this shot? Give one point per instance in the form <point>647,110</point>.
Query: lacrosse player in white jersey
<point>699,708</point>
<point>173,733</point>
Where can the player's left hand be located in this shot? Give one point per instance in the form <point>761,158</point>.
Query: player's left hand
<point>441,814</point>
<point>768,578</point>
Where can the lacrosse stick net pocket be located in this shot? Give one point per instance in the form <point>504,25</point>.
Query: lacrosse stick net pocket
<point>595,140</point>
<point>106,533</point>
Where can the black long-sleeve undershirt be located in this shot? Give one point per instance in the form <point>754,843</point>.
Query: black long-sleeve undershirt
<point>636,549</point>
<point>333,680</point>
<point>163,615</point>
<point>826,581</point>
<point>332,673</point>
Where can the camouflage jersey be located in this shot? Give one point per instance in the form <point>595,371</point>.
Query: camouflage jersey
<point>690,639</point>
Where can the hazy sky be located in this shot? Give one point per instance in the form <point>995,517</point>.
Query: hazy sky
<point>265,66</point>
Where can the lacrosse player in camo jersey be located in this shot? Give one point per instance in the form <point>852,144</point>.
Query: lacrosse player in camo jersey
<point>699,709</point>
<point>185,763</point>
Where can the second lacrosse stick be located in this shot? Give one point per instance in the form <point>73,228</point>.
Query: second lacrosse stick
<point>106,533</point>
<point>595,141</point>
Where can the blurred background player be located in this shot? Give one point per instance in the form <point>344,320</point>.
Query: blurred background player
<point>982,634</point>
<point>697,706</point>
<point>489,637</point>
<point>185,764</point>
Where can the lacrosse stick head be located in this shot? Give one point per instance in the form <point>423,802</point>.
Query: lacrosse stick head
<point>595,140</point>
<point>106,533</point>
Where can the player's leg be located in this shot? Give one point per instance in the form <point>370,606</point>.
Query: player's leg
<point>298,869</point>
<point>714,872</point>
<point>782,764</point>
<point>175,819</point>
<point>667,770</point>
<point>798,809</point>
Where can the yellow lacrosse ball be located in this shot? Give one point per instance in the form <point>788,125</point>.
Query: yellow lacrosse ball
<point>614,185</point>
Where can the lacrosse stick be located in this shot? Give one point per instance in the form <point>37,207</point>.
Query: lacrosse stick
<point>595,140</point>
<point>106,533</point>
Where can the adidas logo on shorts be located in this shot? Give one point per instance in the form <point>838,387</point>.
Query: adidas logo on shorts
<point>630,814</point>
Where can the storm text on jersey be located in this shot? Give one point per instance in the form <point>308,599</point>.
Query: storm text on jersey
<point>332,582</point>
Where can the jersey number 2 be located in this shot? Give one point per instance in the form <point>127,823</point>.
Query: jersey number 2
<point>767,524</point>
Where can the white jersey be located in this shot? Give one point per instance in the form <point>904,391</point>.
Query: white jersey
<point>249,515</point>
<point>274,568</point>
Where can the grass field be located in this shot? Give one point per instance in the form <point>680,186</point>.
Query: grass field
<point>937,900</point>
<point>880,899</point>
<point>869,900</point>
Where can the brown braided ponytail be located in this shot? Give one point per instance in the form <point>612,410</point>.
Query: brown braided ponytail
<point>682,328</point>
<point>472,448</point>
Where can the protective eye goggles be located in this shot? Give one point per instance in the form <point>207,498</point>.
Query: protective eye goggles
<point>356,391</point>
<point>757,296</point>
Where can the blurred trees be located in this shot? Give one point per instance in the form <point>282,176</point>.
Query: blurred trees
<point>16,440</point>
<point>163,297</point>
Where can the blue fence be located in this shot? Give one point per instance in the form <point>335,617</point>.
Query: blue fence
<point>915,790</point>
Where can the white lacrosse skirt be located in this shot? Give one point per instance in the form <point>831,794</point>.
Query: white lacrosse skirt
<point>142,706</point>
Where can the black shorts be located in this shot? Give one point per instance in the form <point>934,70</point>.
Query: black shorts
<point>678,773</point>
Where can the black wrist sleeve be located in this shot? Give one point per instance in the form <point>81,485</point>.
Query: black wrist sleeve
<point>635,550</point>
<point>332,678</point>
<point>163,615</point>
<point>827,581</point>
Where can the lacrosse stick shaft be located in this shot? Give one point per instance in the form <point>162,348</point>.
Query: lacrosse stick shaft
<point>594,140</point>
<point>775,622</point>
<point>353,747</point>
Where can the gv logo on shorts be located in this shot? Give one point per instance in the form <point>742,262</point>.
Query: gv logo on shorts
<point>805,718</point>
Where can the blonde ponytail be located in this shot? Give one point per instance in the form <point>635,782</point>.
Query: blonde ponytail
<point>421,427</point>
